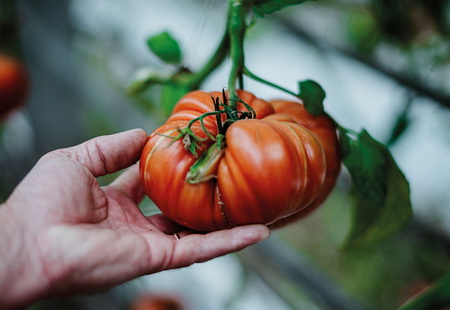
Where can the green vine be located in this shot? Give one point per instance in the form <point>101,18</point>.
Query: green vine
<point>231,46</point>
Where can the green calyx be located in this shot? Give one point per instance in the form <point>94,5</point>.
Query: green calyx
<point>204,169</point>
<point>192,142</point>
<point>205,166</point>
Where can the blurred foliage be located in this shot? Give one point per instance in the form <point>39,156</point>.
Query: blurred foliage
<point>406,24</point>
<point>8,27</point>
<point>410,22</point>
<point>383,276</point>
<point>409,39</point>
<point>435,297</point>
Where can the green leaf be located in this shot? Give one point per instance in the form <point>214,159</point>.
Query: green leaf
<point>436,297</point>
<point>165,47</point>
<point>365,159</point>
<point>402,122</point>
<point>382,205</point>
<point>263,7</point>
<point>312,95</point>
<point>401,125</point>
<point>171,94</point>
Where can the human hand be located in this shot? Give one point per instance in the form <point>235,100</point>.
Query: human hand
<point>64,234</point>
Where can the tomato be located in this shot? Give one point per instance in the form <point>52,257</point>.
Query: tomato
<point>271,167</point>
<point>13,84</point>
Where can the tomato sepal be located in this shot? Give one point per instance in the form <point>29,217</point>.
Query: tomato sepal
<point>205,168</point>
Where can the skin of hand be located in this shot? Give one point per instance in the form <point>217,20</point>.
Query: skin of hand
<point>62,234</point>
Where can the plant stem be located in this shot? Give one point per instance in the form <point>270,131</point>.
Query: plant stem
<point>261,80</point>
<point>236,31</point>
<point>216,59</point>
<point>142,83</point>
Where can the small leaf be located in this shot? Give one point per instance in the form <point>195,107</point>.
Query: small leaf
<point>383,203</point>
<point>402,122</point>
<point>312,95</point>
<point>401,125</point>
<point>263,7</point>
<point>171,94</point>
<point>165,47</point>
<point>436,297</point>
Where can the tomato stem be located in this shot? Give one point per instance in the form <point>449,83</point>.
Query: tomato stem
<point>196,79</point>
<point>192,142</point>
<point>220,128</point>
<point>261,80</point>
<point>236,31</point>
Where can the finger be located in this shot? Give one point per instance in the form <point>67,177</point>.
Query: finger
<point>108,154</point>
<point>197,248</point>
<point>130,184</point>
<point>164,224</point>
<point>182,234</point>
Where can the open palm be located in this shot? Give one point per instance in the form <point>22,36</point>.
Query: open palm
<point>80,237</point>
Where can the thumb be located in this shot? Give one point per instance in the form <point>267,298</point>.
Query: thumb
<point>107,154</point>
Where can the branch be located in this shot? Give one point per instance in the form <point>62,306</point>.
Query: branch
<point>416,86</point>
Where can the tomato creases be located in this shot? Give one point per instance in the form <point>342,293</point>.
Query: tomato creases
<point>164,164</point>
<point>191,106</point>
<point>280,118</point>
<point>314,160</point>
<point>324,130</point>
<point>264,173</point>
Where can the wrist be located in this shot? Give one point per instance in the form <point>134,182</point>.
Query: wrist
<point>22,280</point>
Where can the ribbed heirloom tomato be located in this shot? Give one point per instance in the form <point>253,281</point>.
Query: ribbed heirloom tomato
<point>208,173</point>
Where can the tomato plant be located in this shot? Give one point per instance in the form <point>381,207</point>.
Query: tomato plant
<point>231,159</point>
<point>269,167</point>
<point>13,84</point>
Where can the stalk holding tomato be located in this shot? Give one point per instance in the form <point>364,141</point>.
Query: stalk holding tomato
<point>270,167</point>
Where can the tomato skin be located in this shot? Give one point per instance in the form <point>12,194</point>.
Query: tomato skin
<point>323,128</point>
<point>13,85</point>
<point>271,168</point>
<point>163,169</point>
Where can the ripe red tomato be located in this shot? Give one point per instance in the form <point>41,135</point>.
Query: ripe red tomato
<point>13,84</point>
<point>270,169</point>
